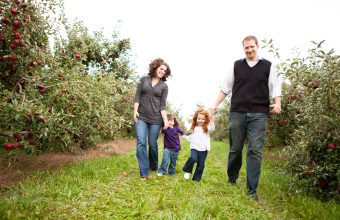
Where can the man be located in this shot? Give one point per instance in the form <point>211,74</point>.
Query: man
<point>251,81</point>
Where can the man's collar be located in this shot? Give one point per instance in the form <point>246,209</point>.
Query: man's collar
<point>257,59</point>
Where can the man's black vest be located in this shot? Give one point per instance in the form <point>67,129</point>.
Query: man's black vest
<point>250,91</point>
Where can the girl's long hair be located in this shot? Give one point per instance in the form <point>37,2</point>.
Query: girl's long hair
<point>207,119</point>
<point>171,116</point>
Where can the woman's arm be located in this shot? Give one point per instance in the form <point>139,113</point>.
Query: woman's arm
<point>165,119</point>
<point>135,111</point>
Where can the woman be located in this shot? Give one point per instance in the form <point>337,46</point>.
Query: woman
<point>150,114</point>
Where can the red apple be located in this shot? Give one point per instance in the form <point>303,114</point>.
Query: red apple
<point>41,119</point>
<point>331,146</point>
<point>323,183</point>
<point>23,5</point>
<point>77,56</point>
<point>18,137</point>
<point>2,37</point>
<point>17,35</point>
<point>29,134</point>
<point>17,1</point>
<point>42,91</point>
<point>14,11</point>
<point>5,20</point>
<point>18,42</point>
<point>39,62</point>
<point>13,46</point>
<point>16,23</point>
<point>17,144</point>
<point>1,58</point>
<point>30,141</point>
<point>13,58</point>
<point>9,146</point>
<point>309,173</point>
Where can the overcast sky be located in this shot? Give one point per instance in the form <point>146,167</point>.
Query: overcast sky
<point>200,39</point>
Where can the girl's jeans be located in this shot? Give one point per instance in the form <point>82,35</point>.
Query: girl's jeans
<point>171,156</point>
<point>199,158</point>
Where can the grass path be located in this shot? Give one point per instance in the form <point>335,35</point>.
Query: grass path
<point>109,188</point>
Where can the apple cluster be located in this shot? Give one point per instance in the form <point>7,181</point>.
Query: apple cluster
<point>13,19</point>
<point>18,139</point>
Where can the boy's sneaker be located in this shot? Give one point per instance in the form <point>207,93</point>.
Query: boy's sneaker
<point>159,174</point>
<point>186,176</point>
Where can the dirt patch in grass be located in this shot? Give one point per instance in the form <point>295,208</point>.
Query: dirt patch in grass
<point>15,172</point>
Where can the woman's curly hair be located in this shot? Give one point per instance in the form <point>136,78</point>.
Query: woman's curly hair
<point>207,119</point>
<point>157,63</point>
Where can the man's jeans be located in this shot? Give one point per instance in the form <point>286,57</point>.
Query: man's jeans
<point>199,158</point>
<point>147,132</point>
<point>168,156</point>
<point>252,126</point>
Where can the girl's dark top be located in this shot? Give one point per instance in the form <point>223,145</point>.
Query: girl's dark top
<point>152,100</point>
<point>171,138</point>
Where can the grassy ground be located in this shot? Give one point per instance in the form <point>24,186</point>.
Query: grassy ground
<point>109,188</point>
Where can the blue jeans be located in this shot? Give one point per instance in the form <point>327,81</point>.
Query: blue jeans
<point>242,126</point>
<point>147,132</point>
<point>199,157</point>
<point>168,156</point>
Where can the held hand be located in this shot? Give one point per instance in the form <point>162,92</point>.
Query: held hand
<point>166,124</point>
<point>275,108</point>
<point>135,116</point>
<point>214,110</point>
<point>186,137</point>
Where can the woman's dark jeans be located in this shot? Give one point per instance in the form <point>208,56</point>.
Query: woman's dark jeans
<point>146,132</point>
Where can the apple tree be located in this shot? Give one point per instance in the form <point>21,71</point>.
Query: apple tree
<point>66,98</point>
<point>311,135</point>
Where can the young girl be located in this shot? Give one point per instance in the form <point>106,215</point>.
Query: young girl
<point>172,146</point>
<point>202,124</point>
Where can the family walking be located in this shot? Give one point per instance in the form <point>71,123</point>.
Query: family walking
<point>252,81</point>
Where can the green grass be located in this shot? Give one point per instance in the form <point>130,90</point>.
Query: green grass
<point>98,189</point>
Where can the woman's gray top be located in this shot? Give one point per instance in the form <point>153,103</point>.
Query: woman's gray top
<point>152,100</point>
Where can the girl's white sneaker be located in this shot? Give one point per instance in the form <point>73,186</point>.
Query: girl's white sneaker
<point>186,176</point>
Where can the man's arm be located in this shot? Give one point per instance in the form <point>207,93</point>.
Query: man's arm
<point>220,98</point>
<point>276,107</point>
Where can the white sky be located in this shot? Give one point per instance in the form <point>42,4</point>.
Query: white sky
<point>200,39</point>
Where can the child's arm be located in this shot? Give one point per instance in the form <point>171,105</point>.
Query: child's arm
<point>211,126</point>
<point>186,137</point>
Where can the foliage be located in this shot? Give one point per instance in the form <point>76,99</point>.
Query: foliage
<point>109,188</point>
<point>311,131</point>
<point>59,99</point>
